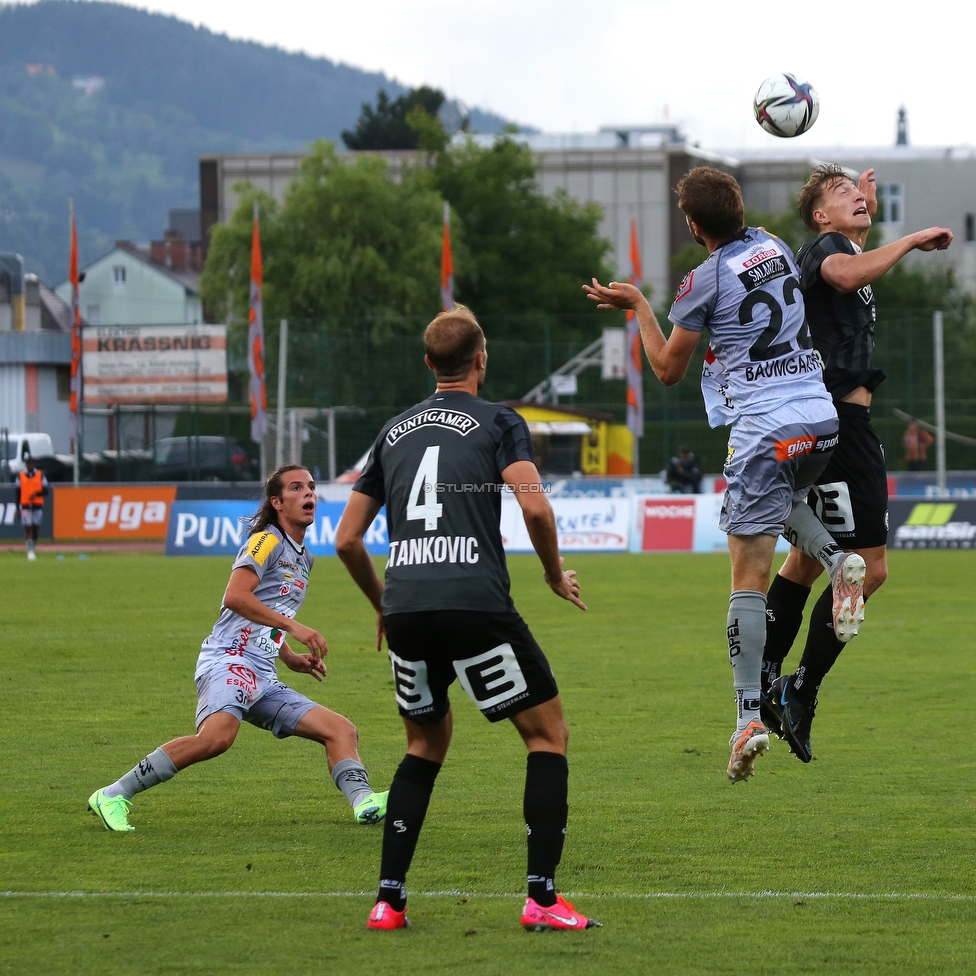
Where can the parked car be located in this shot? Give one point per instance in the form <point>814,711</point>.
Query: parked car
<point>202,457</point>
<point>13,447</point>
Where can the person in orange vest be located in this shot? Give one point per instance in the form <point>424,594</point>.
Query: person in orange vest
<point>917,443</point>
<point>33,488</point>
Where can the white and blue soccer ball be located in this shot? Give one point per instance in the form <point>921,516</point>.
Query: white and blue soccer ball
<point>786,105</point>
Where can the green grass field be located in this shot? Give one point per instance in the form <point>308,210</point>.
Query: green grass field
<point>860,863</point>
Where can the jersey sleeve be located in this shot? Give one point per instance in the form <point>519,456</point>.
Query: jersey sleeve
<point>370,482</point>
<point>695,301</point>
<point>812,255</point>
<point>514,441</point>
<point>259,553</point>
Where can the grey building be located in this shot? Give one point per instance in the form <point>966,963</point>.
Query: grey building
<point>632,172</point>
<point>35,355</point>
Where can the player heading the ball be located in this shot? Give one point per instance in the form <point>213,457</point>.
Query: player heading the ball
<point>762,377</point>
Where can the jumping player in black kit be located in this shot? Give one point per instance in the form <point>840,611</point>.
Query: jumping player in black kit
<point>440,468</point>
<point>851,495</point>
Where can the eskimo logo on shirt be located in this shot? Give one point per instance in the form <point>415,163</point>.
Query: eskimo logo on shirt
<point>261,546</point>
<point>460,423</point>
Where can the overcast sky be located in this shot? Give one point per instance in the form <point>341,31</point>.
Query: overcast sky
<point>574,65</point>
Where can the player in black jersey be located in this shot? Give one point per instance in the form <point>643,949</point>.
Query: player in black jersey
<point>851,495</point>
<point>440,467</point>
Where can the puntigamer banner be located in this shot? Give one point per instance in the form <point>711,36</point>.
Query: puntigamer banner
<point>219,528</point>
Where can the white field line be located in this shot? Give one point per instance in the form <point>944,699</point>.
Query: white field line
<point>647,896</point>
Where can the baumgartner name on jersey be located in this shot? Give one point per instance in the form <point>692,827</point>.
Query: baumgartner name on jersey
<point>760,353</point>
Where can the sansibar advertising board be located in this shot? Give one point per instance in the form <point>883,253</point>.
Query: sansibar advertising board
<point>154,364</point>
<point>112,513</point>
<point>932,524</point>
<point>218,528</point>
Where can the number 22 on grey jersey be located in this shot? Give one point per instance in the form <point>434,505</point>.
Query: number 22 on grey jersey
<point>747,294</point>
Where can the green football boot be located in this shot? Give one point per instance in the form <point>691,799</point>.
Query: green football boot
<point>373,809</point>
<point>113,811</point>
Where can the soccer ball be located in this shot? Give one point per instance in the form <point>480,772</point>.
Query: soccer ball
<point>786,105</point>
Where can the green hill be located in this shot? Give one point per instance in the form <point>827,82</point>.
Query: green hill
<point>127,151</point>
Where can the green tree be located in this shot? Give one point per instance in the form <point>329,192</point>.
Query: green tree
<point>348,243</point>
<point>389,125</point>
<point>528,253</point>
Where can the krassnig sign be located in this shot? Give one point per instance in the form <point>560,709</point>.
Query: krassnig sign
<point>154,364</point>
<point>218,528</point>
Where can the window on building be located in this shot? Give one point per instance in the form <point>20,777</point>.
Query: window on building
<point>970,227</point>
<point>118,274</point>
<point>93,314</point>
<point>64,383</point>
<point>892,203</point>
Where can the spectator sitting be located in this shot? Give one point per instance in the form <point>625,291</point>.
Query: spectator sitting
<point>685,473</point>
<point>917,443</point>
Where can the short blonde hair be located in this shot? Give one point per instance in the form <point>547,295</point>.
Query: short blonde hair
<point>452,341</point>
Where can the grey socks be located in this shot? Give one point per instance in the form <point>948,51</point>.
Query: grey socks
<point>747,636</point>
<point>156,768</point>
<point>350,776</point>
<point>805,531</point>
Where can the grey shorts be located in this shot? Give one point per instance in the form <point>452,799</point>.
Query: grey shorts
<point>235,689</point>
<point>31,516</point>
<point>768,470</point>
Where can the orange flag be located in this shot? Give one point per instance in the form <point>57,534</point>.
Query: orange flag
<point>74,395</point>
<point>447,263</point>
<point>635,349</point>
<point>255,339</point>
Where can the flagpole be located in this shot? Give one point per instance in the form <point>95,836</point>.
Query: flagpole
<point>77,346</point>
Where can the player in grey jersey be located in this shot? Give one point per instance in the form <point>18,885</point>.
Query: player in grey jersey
<point>771,391</point>
<point>236,676</point>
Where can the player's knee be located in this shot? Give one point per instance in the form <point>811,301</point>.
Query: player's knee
<point>876,575</point>
<point>216,744</point>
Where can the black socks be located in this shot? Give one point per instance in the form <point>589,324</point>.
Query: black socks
<point>821,651</point>
<point>405,812</point>
<point>546,810</point>
<point>784,615</point>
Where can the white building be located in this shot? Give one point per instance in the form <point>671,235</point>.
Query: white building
<point>127,287</point>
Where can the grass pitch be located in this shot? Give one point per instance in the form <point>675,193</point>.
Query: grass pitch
<point>860,863</point>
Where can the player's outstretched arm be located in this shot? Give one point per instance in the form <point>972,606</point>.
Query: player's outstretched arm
<point>239,597</point>
<point>849,272</point>
<point>358,516</point>
<point>523,478</point>
<point>669,357</point>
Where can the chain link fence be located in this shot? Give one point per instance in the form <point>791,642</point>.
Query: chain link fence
<point>365,372</point>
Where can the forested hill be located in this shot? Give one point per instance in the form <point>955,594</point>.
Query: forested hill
<point>127,151</point>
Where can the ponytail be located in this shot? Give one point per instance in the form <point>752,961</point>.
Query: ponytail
<point>267,514</point>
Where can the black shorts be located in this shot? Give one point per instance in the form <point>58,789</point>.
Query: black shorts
<point>851,495</point>
<point>494,655</point>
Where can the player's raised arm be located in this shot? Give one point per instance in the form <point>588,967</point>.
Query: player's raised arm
<point>669,357</point>
<point>523,478</point>
<point>849,272</point>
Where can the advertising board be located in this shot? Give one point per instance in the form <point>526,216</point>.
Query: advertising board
<point>112,512</point>
<point>931,524</point>
<point>154,364</point>
<point>582,524</point>
<point>218,528</point>
<point>10,527</point>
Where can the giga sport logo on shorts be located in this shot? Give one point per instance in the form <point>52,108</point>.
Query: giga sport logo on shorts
<point>807,444</point>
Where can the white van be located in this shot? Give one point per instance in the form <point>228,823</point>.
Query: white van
<point>37,445</point>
